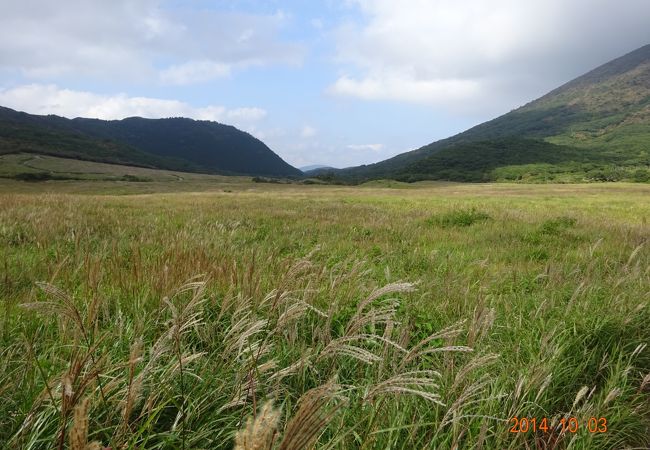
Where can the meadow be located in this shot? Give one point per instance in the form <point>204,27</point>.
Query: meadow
<point>219,313</point>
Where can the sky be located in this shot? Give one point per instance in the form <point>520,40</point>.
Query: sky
<point>338,83</point>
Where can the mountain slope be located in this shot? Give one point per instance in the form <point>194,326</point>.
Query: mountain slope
<point>207,144</point>
<point>604,113</point>
<point>176,143</point>
<point>52,135</point>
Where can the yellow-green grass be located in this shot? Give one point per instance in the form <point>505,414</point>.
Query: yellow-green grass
<point>79,170</point>
<point>547,285</point>
<point>77,176</point>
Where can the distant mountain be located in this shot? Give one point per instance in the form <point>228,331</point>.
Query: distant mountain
<point>315,168</point>
<point>596,126</point>
<point>175,143</point>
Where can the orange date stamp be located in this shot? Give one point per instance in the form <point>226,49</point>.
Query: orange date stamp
<point>565,425</point>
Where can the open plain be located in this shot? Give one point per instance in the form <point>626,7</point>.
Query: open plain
<point>380,316</point>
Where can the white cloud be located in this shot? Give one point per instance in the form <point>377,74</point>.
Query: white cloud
<point>494,53</point>
<point>194,72</point>
<point>331,153</point>
<point>137,40</point>
<point>50,99</point>
<point>246,114</point>
<point>373,147</point>
<point>308,132</point>
<point>400,86</point>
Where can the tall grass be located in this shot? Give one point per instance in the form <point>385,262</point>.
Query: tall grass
<point>340,320</point>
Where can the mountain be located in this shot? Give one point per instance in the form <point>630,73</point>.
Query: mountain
<point>207,144</point>
<point>51,135</point>
<point>315,168</point>
<point>175,143</point>
<point>594,127</point>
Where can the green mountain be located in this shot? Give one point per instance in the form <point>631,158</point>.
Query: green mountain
<point>174,144</point>
<point>594,127</point>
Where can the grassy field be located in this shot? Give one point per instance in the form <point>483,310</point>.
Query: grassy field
<point>384,316</point>
<point>20,164</point>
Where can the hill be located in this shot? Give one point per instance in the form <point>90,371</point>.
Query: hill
<point>174,144</point>
<point>598,124</point>
<point>39,167</point>
<point>314,167</point>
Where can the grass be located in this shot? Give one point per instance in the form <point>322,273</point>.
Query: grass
<point>281,316</point>
<point>459,218</point>
<point>20,164</point>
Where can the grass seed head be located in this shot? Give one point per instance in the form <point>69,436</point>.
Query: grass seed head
<point>260,431</point>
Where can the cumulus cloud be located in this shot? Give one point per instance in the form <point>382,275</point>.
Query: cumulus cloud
<point>136,40</point>
<point>494,53</point>
<point>50,99</point>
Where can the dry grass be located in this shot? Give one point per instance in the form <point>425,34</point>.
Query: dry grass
<point>329,317</point>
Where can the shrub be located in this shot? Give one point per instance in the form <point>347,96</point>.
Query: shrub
<point>42,176</point>
<point>135,178</point>
<point>33,176</point>
<point>460,218</point>
<point>641,176</point>
<point>556,226</point>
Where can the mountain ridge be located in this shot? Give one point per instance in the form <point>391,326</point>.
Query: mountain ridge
<point>605,111</point>
<point>171,143</point>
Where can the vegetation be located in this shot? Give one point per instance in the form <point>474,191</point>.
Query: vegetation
<point>30,167</point>
<point>526,160</point>
<point>599,124</point>
<point>40,176</point>
<point>174,144</point>
<point>460,218</point>
<point>281,316</point>
<point>212,146</point>
<point>23,133</point>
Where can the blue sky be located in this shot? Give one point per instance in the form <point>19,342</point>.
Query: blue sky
<point>321,82</point>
